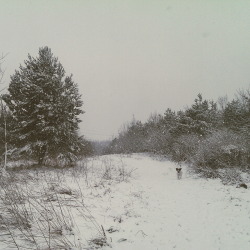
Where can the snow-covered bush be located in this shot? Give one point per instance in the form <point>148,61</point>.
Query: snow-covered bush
<point>222,149</point>
<point>231,176</point>
<point>185,147</point>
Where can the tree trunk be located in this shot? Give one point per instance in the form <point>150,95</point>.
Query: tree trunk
<point>6,146</point>
<point>41,155</point>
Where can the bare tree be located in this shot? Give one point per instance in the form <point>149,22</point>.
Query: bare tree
<point>243,96</point>
<point>3,111</point>
<point>3,115</point>
<point>222,102</point>
<point>1,68</point>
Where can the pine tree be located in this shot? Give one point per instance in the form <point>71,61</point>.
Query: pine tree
<point>237,114</point>
<point>45,105</point>
<point>200,119</point>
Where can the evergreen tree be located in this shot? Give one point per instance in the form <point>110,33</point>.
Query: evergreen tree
<point>234,115</point>
<point>200,119</point>
<point>45,105</point>
<point>237,114</point>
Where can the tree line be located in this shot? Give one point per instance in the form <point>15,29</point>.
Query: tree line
<point>206,134</point>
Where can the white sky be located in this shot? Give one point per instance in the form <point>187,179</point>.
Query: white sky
<point>134,57</point>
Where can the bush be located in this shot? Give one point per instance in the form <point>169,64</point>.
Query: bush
<point>185,147</point>
<point>158,142</point>
<point>222,149</point>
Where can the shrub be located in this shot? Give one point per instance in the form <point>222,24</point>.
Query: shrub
<point>222,149</point>
<point>185,147</point>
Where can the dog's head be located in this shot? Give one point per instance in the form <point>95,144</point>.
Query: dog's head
<point>178,170</point>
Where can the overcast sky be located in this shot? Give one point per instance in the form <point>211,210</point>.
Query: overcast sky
<point>134,57</point>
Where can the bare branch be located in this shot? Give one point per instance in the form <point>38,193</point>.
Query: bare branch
<point>1,69</point>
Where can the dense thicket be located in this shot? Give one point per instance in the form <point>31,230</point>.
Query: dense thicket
<point>206,134</point>
<point>45,106</point>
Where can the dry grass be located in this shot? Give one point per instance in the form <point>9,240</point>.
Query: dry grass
<point>39,206</point>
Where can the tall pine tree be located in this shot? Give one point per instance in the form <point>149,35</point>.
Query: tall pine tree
<point>45,105</point>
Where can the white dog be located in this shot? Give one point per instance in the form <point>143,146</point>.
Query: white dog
<point>179,173</point>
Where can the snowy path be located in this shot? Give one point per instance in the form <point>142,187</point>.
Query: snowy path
<point>157,211</point>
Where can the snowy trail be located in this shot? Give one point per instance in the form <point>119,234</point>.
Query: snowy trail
<point>158,211</point>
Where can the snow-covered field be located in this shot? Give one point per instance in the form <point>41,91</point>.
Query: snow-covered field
<point>132,202</point>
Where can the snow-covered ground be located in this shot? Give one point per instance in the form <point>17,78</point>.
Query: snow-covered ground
<point>161,212</point>
<point>141,205</point>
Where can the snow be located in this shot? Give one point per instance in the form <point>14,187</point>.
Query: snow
<point>183,214</point>
<point>141,205</point>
